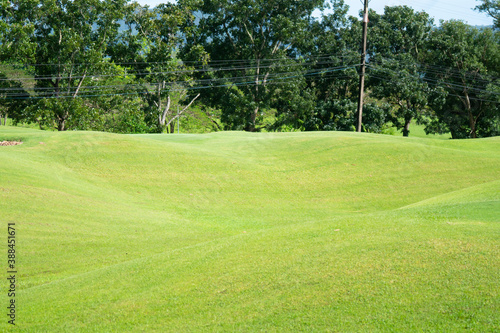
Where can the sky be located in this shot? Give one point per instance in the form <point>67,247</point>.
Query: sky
<point>438,9</point>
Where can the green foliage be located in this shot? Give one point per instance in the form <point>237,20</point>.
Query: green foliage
<point>200,119</point>
<point>398,38</point>
<point>492,8</point>
<point>150,42</point>
<point>341,115</point>
<point>400,31</point>
<point>48,112</point>
<point>110,107</point>
<point>337,37</point>
<point>375,116</point>
<point>128,120</point>
<point>256,65</point>
<point>265,34</point>
<point>471,57</point>
<point>12,97</point>
<point>16,29</point>
<point>294,103</point>
<point>400,82</point>
<point>71,39</point>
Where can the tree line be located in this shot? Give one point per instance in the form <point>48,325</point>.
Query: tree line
<point>274,65</point>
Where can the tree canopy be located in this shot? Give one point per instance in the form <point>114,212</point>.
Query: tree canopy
<point>251,65</point>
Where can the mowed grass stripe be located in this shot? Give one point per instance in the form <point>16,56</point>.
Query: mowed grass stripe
<point>384,268</point>
<point>244,231</point>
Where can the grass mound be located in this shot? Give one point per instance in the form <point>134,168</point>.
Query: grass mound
<point>243,231</point>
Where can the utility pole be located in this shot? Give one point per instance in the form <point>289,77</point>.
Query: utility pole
<point>363,67</point>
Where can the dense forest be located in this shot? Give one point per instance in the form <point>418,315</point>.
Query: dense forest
<point>253,65</point>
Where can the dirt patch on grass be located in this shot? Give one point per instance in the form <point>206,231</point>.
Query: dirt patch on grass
<point>10,143</point>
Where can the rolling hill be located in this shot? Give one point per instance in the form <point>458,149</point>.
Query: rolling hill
<point>231,231</point>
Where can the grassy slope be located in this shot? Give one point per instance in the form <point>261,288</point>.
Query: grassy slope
<point>238,231</point>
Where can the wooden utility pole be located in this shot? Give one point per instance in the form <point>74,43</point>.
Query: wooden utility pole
<point>363,67</point>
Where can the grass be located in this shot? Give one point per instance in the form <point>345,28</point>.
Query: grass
<point>419,132</point>
<point>416,131</point>
<point>231,231</point>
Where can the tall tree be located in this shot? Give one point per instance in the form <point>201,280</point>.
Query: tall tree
<point>492,8</point>
<point>336,39</point>
<point>16,28</point>
<point>253,43</point>
<point>464,62</point>
<point>16,46</point>
<point>70,39</point>
<point>333,51</point>
<point>399,81</point>
<point>13,97</point>
<point>149,45</point>
<point>398,44</point>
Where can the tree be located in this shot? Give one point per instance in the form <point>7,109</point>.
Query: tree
<point>149,44</point>
<point>492,8</point>
<point>104,103</point>
<point>337,85</point>
<point>253,47</point>
<point>16,28</point>
<point>398,43</point>
<point>13,97</point>
<point>337,37</point>
<point>400,30</point>
<point>464,63</point>
<point>69,40</point>
<point>399,82</point>
<point>15,45</point>
<point>341,115</point>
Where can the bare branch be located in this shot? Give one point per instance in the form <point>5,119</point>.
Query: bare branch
<point>248,33</point>
<point>229,36</point>
<point>276,46</point>
<point>164,113</point>
<point>182,111</point>
<point>80,84</point>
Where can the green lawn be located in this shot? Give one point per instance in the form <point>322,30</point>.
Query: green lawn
<point>231,231</point>
<point>419,132</point>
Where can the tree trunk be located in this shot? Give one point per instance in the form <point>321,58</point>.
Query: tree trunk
<point>163,114</point>
<point>5,120</point>
<point>171,123</point>
<point>60,124</point>
<point>253,117</point>
<point>406,128</point>
<point>472,123</point>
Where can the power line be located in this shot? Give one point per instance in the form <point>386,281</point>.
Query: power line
<point>171,72</point>
<point>180,62</point>
<point>245,77</point>
<point>228,83</point>
<point>448,94</point>
<point>438,82</point>
<point>436,69</point>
